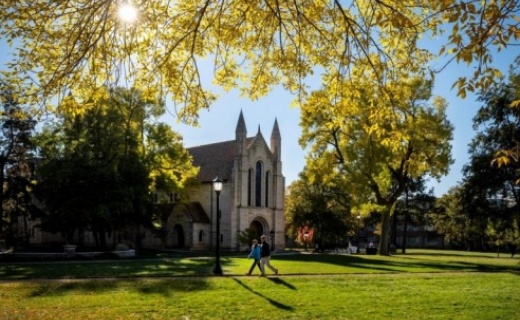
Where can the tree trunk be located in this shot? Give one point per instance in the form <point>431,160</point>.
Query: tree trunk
<point>405,232</point>
<point>385,230</point>
<point>393,233</point>
<point>406,215</point>
<point>103,238</point>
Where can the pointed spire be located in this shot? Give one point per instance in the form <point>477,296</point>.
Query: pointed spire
<point>241,125</point>
<point>275,134</point>
<point>241,135</point>
<point>276,140</point>
<point>259,133</point>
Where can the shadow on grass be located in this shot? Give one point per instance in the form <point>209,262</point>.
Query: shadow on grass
<point>271,301</point>
<point>202,266</point>
<point>448,254</point>
<point>280,281</point>
<point>108,269</point>
<point>399,263</point>
<point>161,287</point>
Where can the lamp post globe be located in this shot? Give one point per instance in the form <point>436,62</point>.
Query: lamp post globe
<point>217,186</point>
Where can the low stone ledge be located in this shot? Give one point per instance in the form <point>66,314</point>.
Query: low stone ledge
<point>125,254</point>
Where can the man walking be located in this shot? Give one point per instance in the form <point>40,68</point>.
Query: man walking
<point>265,253</point>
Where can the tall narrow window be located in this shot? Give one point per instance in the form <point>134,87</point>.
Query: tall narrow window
<point>249,186</point>
<point>267,189</point>
<point>258,184</point>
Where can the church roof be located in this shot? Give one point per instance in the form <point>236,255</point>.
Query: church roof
<point>196,212</point>
<point>215,159</point>
<point>193,210</point>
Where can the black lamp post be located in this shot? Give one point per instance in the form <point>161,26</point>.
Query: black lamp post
<point>217,186</point>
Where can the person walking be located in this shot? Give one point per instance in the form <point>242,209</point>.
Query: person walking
<point>255,254</point>
<point>265,252</point>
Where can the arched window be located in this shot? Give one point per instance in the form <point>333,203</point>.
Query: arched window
<point>249,186</point>
<point>258,184</point>
<point>267,189</point>
<point>201,235</point>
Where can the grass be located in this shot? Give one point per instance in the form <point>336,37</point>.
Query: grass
<point>289,264</point>
<point>418,285</point>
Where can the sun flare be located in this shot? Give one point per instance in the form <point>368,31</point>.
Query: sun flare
<point>127,13</point>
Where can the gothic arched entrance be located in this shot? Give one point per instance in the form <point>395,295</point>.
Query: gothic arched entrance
<point>178,236</point>
<point>257,229</point>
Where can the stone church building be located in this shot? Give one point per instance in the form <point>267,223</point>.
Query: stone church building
<point>252,195</point>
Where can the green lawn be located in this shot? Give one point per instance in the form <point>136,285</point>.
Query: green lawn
<point>418,285</point>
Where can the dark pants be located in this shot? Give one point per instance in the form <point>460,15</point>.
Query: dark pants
<point>255,263</point>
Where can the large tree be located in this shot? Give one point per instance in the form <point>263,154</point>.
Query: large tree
<point>255,45</point>
<point>492,194</point>
<point>497,126</point>
<point>379,140</point>
<point>322,206</point>
<point>98,168</point>
<point>16,165</point>
<point>450,219</point>
<point>510,157</point>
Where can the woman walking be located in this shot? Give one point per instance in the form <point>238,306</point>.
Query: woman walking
<point>255,254</point>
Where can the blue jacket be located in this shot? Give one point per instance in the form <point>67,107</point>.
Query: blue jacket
<point>255,252</point>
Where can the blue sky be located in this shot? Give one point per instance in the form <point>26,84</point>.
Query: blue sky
<point>219,123</point>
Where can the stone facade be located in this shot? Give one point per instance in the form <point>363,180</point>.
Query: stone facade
<point>252,196</point>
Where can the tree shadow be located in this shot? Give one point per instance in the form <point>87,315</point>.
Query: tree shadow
<point>280,281</point>
<point>164,287</point>
<point>402,263</point>
<point>108,268</point>
<point>271,301</point>
<point>449,254</point>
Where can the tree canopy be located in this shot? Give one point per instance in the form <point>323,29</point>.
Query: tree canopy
<point>322,207</point>
<point>378,139</point>
<point>449,219</point>
<point>98,168</point>
<point>497,126</point>
<point>16,165</point>
<point>83,45</point>
<point>491,192</point>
